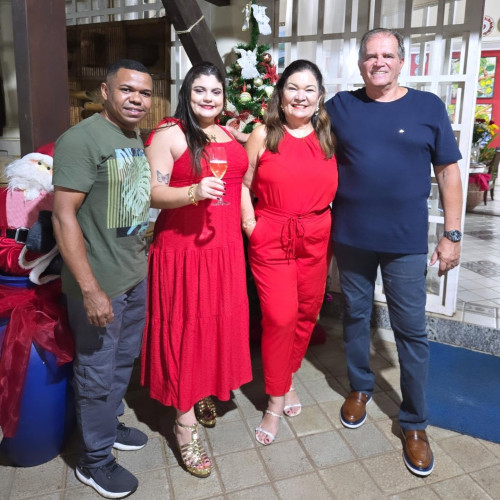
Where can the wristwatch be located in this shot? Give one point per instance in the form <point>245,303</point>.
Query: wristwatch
<point>454,235</point>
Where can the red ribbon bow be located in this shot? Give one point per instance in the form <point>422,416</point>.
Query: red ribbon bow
<point>36,315</point>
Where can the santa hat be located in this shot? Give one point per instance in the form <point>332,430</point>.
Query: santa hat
<point>46,149</point>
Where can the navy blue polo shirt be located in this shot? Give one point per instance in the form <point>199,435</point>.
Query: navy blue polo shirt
<point>384,153</point>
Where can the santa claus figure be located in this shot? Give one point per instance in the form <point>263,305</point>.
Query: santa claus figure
<point>27,245</point>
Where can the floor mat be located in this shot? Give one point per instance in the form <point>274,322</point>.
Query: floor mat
<point>464,391</point>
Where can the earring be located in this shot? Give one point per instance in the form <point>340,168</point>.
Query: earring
<point>316,111</point>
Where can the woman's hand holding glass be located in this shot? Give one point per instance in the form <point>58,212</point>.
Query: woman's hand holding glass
<point>218,166</point>
<point>209,188</point>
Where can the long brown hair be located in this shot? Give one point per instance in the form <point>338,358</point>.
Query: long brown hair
<point>275,118</point>
<point>195,137</point>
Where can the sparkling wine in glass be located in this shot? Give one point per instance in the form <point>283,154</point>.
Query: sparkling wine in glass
<point>218,166</point>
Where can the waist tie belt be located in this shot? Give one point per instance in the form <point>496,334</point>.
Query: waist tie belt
<point>292,230</point>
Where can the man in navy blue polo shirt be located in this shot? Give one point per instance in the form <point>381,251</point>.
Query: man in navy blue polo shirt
<point>388,137</point>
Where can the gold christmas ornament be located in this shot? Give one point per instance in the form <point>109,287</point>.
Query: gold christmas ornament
<point>245,97</point>
<point>258,82</point>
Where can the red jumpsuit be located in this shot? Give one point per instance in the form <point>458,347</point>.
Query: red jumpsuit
<point>287,251</point>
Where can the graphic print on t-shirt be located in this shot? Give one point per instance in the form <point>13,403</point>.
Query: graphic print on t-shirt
<point>128,191</point>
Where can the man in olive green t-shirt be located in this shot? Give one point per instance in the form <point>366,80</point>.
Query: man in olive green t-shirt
<point>100,214</point>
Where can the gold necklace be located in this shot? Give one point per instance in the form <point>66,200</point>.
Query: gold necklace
<point>212,136</point>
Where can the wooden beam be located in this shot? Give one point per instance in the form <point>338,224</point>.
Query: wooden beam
<point>193,32</point>
<point>42,71</point>
<point>220,3</point>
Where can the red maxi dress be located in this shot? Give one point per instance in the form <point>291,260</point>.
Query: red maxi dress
<point>196,335</point>
<point>287,251</point>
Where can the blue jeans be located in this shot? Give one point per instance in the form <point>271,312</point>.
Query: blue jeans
<point>404,286</point>
<point>104,359</point>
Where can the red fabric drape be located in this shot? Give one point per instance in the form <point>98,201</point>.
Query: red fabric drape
<point>9,257</point>
<point>36,315</point>
<point>482,180</point>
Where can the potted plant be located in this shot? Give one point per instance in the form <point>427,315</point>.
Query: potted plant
<point>483,133</point>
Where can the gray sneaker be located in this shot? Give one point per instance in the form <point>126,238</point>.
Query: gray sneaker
<point>129,438</point>
<point>110,480</point>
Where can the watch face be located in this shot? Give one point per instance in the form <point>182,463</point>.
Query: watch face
<point>454,235</point>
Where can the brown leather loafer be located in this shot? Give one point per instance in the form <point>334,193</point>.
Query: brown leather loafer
<point>353,411</point>
<point>417,453</point>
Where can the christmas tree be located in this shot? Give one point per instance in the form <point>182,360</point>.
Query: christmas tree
<point>252,76</point>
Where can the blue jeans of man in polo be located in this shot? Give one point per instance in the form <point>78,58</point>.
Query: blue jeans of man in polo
<point>403,278</point>
<point>104,359</point>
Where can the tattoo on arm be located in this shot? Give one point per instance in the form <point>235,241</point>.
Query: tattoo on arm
<point>164,178</point>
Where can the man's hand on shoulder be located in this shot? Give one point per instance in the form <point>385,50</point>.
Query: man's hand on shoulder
<point>241,137</point>
<point>448,254</point>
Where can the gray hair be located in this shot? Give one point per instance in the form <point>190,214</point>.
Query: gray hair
<point>385,31</point>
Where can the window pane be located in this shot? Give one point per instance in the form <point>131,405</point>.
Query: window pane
<point>334,18</point>
<point>424,13</point>
<point>285,19</point>
<point>454,11</point>
<point>306,50</point>
<point>420,53</point>
<point>392,14</point>
<point>433,281</point>
<point>332,55</point>
<point>434,203</point>
<point>452,95</point>
<point>307,19</point>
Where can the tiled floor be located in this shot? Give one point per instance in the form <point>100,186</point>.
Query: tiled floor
<point>313,455</point>
<point>479,280</point>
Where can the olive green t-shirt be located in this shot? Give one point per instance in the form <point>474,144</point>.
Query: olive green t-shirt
<point>97,158</point>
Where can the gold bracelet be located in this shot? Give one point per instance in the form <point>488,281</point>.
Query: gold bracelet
<point>248,222</point>
<point>191,194</point>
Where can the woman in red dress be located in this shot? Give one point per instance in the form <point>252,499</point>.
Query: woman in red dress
<point>196,335</point>
<point>293,175</point>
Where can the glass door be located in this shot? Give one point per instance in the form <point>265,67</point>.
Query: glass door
<point>442,42</point>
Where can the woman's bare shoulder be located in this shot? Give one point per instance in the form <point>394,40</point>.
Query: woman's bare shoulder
<point>168,131</point>
<point>258,135</point>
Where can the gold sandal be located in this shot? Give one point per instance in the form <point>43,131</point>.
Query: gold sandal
<point>193,453</point>
<point>205,411</point>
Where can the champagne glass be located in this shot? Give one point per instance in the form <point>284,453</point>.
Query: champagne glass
<point>218,166</point>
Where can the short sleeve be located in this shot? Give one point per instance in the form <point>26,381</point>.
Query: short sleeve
<point>75,164</point>
<point>445,148</point>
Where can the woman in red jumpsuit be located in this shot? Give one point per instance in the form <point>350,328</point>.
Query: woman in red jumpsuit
<point>293,176</point>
